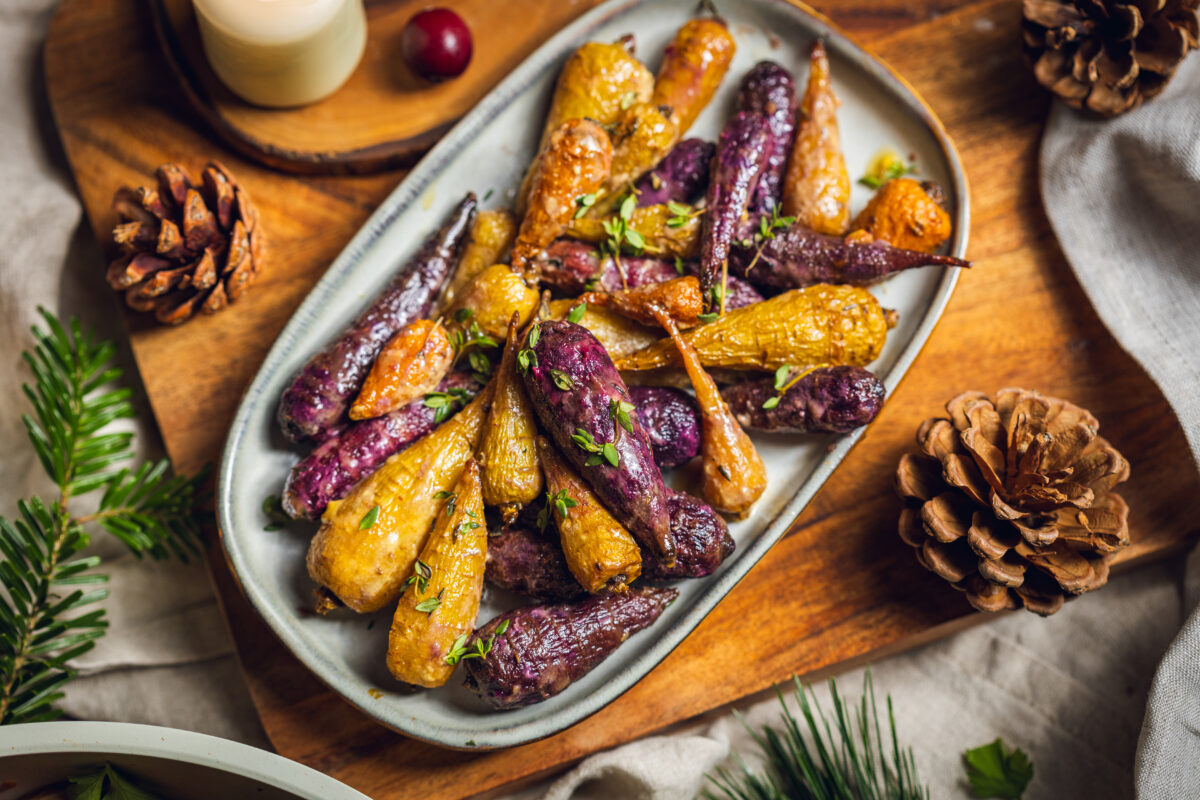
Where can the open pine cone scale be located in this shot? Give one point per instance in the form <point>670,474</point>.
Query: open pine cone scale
<point>1011,501</point>
<point>1105,55</point>
<point>184,248</point>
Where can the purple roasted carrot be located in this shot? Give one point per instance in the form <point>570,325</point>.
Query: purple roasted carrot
<point>317,399</point>
<point>584,405</point>
<point>770,90</point>
<point>701,537</point>
<point>827,400</point>
<point>354,450</point>
<point>522,559</point>
<point>535,652</point>
<point>681,177</point>
<point>741,157</point>
<point>798,257</point>
<point>672,421</point>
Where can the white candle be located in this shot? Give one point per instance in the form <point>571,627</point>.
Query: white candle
<point>282,52</point>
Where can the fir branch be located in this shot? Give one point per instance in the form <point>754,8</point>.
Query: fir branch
<point>45,622</point>
<point>842,759</point>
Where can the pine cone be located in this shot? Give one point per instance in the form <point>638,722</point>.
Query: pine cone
<point>185,248</point>
<point>1011,501</point>
<point>1106,55</point>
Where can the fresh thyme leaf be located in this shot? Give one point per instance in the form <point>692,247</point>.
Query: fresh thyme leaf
<point>488,195</point>
<point>369,519</point>
<point>585,441</point>
<point>679,265</point>
<point>619,410</point>
<point>451,499</point>
<point>681,214</point>
<point>593,460</point>
<point>628,99</point>
<point>562,380</point>
<point>535,333</point>
<point>721,468</point>
<point>429,604</point>
<point>635,240</point>
<point>463,315</point>
<point>584,202</point>
<point>771,402</point>
<point>781,376</point>
<point>443,403</point>
<point>457,650</point>
<point>995,771</point>
<point>502,628</point>
<point>577,313</point>
<point>481,364</point>
<point>562,503</point>
<point>272,505</point>
<point>627,207</point>
<point>709,317</point>
<point>609,451</point>
<point>885,166</point>
<point>422,573</point>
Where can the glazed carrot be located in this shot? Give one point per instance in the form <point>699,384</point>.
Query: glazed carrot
<point>411,364</point>
<point>694,64</point>
<point>679,297</point>
<point>817,189</point>
<point>734,473</point>
<point>511,475</point>
<point>574,162</point>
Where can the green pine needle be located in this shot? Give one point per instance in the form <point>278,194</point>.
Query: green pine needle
<point>45,616</point>
<point>839,758</point>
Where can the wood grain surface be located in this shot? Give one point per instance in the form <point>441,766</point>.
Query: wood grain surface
<point>384,116</point>
<point>840,588</point>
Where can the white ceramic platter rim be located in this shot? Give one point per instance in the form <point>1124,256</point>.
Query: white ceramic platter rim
<point>496,730</point>
<point>223,755</point>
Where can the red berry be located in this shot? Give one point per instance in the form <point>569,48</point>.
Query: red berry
<point>437,44</point>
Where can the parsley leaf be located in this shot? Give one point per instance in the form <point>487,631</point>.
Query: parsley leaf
<point>995,771</point>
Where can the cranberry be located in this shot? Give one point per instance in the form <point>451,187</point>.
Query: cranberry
<point>437,44</point>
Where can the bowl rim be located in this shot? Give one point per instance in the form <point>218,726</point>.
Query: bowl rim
<point>172,744</point>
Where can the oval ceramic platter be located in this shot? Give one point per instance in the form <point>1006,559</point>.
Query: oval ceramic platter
<point>488,151</point>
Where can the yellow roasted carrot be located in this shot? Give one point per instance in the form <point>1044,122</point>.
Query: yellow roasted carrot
<point>437,611</point>
<point>694,65</point>
<point>368,541</point>
<point>491,235</point>
<point>490,300</point>
<point>600,552</point>
<point>511,473</point>
<point>411,364</point>
<point>823,324</point>
<point>817,188</point>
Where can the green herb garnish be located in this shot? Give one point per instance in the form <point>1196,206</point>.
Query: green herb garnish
<point>577,313</point>
<point>679,265</point>
<point>628,99</point>
<point>463,315</point>
<point>368,520</point>
<point>600,452</point>
<point>619,410</point>
<point>562,380</point>
<point>709,317</point>
<point>422,573</point>
<point>429,604</point>
<point>451,499</point>
<point>885,166</point>
<point>446,402</point>
<point>995,771</point>
<point>583,203</point>
<point>771,402</point>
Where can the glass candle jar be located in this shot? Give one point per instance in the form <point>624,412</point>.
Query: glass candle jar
<point>281,53</point>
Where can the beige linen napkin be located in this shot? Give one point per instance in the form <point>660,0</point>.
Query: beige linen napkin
<point>1123,196</point>
<point>167,658</point>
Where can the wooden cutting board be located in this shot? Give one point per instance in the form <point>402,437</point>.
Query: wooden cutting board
<point>841,588</point>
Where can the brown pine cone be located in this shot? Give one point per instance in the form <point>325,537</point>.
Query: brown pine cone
<point>1107,55</point>
<point>1011,501</point>
<point>185,248</point>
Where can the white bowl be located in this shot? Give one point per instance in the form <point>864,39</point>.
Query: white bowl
<point>175,764</point>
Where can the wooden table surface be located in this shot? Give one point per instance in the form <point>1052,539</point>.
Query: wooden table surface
<point>842,588</point>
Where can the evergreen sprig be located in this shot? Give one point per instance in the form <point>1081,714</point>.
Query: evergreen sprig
<point>47,618</point>
<point>845,758</point>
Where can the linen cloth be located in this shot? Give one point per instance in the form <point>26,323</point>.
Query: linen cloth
<point>1069,690</point>
<point>1124,199</point>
